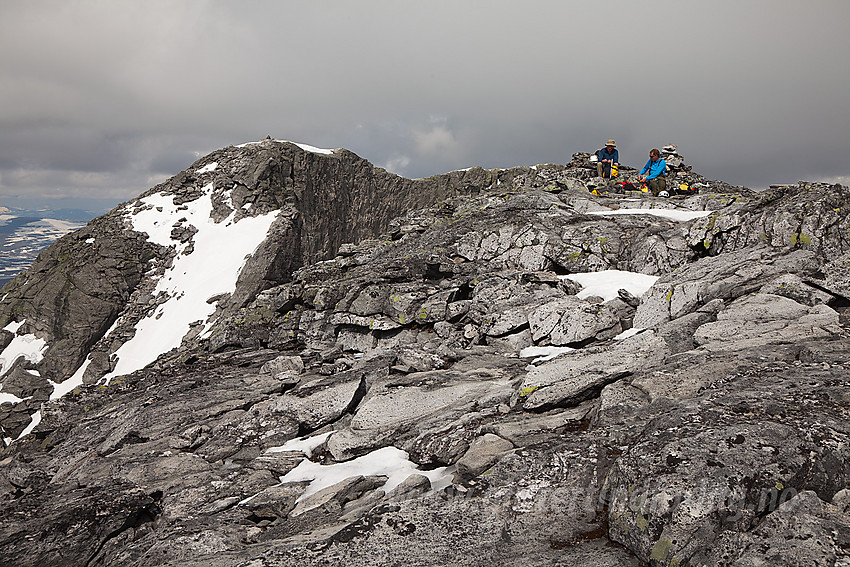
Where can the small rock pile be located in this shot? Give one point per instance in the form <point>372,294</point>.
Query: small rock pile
<point>675,162</point>
<point>582,167</point>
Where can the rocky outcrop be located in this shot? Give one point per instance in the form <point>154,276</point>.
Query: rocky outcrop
<point>77,288</point>
<point>411,371</point>
<point>729,457</point>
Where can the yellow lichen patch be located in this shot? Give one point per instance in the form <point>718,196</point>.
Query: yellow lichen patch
<point>661,549</point>
<point>525,392</point>
<point>801,238</point>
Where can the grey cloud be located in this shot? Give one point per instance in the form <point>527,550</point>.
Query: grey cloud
<point>118,94</point>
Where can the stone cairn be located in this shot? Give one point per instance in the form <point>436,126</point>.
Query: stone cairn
<point>675,162</point>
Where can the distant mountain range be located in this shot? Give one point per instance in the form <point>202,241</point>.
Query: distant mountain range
<point>25,232</point>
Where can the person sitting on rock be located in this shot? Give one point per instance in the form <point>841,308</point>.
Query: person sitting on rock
<point>606,157</point>
<point>653,174</point>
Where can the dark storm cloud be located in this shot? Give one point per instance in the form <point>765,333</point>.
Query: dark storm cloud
<point>109,98</point>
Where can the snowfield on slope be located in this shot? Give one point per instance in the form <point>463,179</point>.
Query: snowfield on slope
<point>210,268</point>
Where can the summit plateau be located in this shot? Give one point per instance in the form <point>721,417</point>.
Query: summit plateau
<point>286,356</point>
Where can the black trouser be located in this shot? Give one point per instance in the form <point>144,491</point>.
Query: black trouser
<point>603,169</point>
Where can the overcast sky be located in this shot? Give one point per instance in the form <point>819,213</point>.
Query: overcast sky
<point>104,99</point>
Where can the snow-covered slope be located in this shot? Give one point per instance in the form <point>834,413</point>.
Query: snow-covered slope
<point>196,276</point>
<point>203,270</point>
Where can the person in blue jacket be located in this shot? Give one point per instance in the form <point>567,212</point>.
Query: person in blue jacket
<point>653,173</point>
<point>606,157</point>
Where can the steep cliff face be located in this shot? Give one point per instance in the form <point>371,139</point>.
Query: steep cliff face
<point>285,356</point>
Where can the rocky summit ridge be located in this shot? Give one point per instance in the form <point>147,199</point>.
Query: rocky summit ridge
<point>287,356</point>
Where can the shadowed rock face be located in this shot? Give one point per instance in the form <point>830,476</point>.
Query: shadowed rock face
<point>385,321</point>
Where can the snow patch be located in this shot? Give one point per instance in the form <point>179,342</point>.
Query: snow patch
<point>62,388</point>
<point>388,461</point>
<point>303,445</point>
<point>207,168</point>
<point>31,348</point>
<point>13,326</point>
<point>678,215</point>
<point>9,398</point>
<point>628,333</point>
<point>305,147</point>
<point>544,353</point>
<point>28,346</point>
<point>35,419</point>
<point>606,283</point>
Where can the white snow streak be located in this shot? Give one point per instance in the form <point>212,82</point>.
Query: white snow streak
<point>305,147</point>
<point>678,215</point>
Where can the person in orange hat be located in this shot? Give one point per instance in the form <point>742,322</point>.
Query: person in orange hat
<point>607,156</point>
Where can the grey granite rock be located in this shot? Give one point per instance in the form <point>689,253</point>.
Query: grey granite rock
<point>386,321</point>
<point>483,453</point>
<point>765,318</point>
